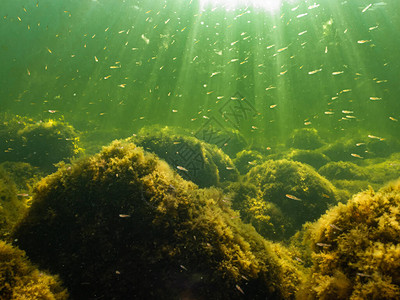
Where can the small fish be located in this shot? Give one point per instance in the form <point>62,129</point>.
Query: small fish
<point>282,49</point>
<point>183,267</point>
<point>329,112</point>
<point>393,119</point>
<point>182,168</point>
<point>347,111</point>
<point>360,144</point>
<point>239,289</point>
<point>365,9</point>
<point>299,260</point>
<point>122,85</point>
<point>337,73</point>
<point>23,195</point>
<point>323,245</point>
<point>272,106</point>
<point>96,59</point>
<point>374,137</point>
<point>52,111</point>
<point>303,32</point>
<point>356,155</point>
<point>335,227</point>
<point>302,15</point>
<point>363,41</point>
<point>363,275</point>
<point>307,123</point>
<point>292,197</point>
<point>124,216</point>
<point>314,72</point>
<point>375,98</point>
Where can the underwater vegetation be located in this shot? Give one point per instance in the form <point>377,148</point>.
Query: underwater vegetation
<point>40,143</point>
<point>300,193</point>
<point>311,157</point>
<point>122,224</point>
<point>266,217</point>
<point>23,174</point>
<point>12,205</point>
<point>204,164</point>
<point>19,279</point>
<point>355,248</point>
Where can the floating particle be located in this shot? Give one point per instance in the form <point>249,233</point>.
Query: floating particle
<point>145,39</point>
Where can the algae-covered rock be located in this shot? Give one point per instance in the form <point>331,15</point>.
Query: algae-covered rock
<point>295,188</point>
<point>19,279</point>
<point>343,170</point>
<point>48,142</point>
<point>123,225</point>
<point>229,140</point>
<point>12,206</point>
<point>246,159</point>
<point>40,143</point>
<point>356,249</point>
<point>382,172</point>
<point>311,157</point>
<point>305,138</point>
<point>204,164</point>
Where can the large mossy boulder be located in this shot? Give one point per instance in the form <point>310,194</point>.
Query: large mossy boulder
<point>355,249</point>
<point>300,193</point>
<point>123,225</point>
<point>19,279</point>
<point>204,164</point>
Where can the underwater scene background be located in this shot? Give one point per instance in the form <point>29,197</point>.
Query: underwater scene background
<point>194,149</point>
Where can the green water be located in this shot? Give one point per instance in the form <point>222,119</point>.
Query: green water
<point>176,64</point>
<point>315,82</point>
